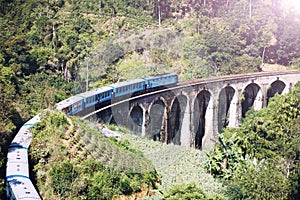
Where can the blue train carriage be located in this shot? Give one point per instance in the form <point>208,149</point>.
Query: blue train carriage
<point>71,105</point>
<point>18,184</point>
<point>128,88</point>
<point>17,163</point>
<point>24,135</point>
<point>20,188</point>
<point>96,96</point>
<point>161,80</point>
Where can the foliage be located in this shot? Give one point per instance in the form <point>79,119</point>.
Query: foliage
<point>62,176</point>
<point>264,148</point>
<point>177,165</point>
<point>185,192</point>
<point>44,45</point>
<point>259,180</point>
<point>189,191</point>
<point>79,162</point>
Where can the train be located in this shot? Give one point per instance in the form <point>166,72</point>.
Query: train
<point>18,183</point>
<point>86,100</point>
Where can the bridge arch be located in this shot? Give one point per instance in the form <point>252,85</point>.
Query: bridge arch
<point>277,86</point>
<point>252,97</point>
<point>156,119</point>
<point>136,119</point>
<point>200,107</point>
<point>227,107</point>
<point>176,117</point>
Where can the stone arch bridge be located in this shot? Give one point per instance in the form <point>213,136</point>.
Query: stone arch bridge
<point>193,113</point>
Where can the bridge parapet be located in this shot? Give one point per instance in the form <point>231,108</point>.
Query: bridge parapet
<point>194,113</point>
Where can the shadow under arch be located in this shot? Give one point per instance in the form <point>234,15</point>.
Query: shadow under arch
<point>277,87</point>
<point>156,119</point>
<point>135,120</point>
<point>225,103</point>
<point>200,106</point>
<point>251,98</point>
<point>175,119</point>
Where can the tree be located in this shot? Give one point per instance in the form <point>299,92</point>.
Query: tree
<point>265,146</point>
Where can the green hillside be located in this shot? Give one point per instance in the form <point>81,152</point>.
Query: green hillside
<point>72,159</point>
<point>46,46</point>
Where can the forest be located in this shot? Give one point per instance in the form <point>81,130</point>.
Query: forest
<point>50,48</point>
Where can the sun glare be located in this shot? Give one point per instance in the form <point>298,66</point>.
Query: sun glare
<point>293,5</point>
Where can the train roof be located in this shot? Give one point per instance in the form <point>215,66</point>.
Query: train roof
<point>22,188</point>
<point>23,138</point>
<point>33,120</point>
<point>67,102</point>
<point>17,162</point>
<point>125,83</point>
<point>95,91</point>
<point>160,76</point>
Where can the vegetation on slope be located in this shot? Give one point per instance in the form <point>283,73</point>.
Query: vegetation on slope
<point>260,159</point>
<point>76,161</point>
<point>46,46</point>
<point>180,168</point>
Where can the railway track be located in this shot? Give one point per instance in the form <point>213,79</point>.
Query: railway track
<point>18,183</point>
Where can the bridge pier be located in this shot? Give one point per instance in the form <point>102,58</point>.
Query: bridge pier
<point>194,115</point>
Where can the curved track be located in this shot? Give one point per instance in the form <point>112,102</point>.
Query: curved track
<point>196,82</point>
<point>18,184</point>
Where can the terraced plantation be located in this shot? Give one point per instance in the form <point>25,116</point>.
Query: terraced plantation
<point>175,164</point>
<point>72,159</point>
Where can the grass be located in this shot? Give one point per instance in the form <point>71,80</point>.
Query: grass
<point>175,164</point>
<point>56,142</point>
